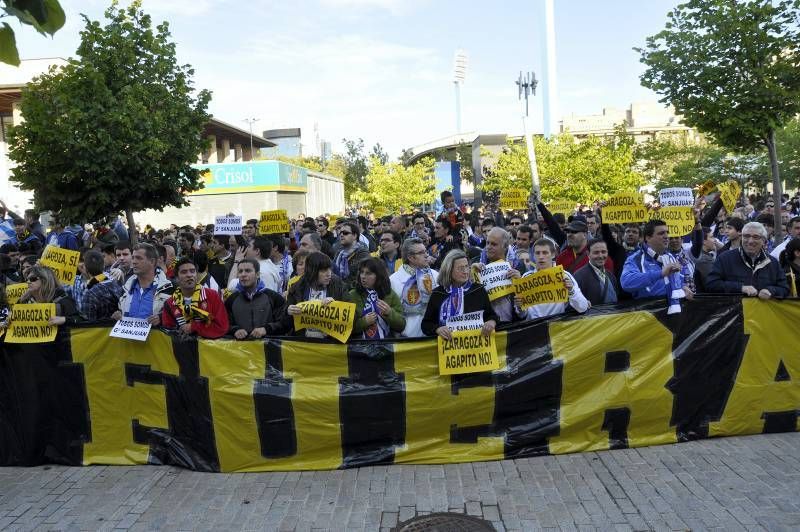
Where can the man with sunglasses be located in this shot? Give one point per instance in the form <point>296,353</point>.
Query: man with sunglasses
<point>576,255</point>
<point>350,254</point>
<point>324,233</point>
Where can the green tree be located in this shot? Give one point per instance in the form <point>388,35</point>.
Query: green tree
<point>46,16</point>
<point>570,170</point>
<point>379,153</point>
<point>116,130</point>
<point>356,167</point>
<point>396,187</point>
<point>731,69</point>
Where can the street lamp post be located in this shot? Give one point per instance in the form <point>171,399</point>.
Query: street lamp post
<point>526,85</point>
<point>250,122</point>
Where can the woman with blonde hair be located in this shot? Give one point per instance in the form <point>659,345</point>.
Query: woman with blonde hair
<point>457,295</point>
<point>43,287</point>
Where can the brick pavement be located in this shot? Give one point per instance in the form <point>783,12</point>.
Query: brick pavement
<point>745,483</point>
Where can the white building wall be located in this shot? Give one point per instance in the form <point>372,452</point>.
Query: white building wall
<point>325,194</point>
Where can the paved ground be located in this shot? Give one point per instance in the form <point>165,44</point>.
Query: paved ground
<point>747,483</point>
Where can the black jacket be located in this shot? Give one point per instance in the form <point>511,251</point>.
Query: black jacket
<point>730,273</point>
<point>475,299</point>
<point>592,288</point>
<point>264,310</point>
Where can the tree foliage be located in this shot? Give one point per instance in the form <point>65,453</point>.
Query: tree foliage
<point>732,69</point>
<point>570,170</point>
<point>46,16</point>
<point>461,153</point>
<point>312,163</point>
<point>355,166</point>
<point>115,130</point>
<point>396,187</point>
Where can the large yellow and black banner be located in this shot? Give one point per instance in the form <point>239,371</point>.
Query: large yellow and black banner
<point>619,376</point>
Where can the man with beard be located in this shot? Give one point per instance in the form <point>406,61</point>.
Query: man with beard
<point>576,254</point>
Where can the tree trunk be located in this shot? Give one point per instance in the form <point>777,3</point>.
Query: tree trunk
<point>132,233</point>
<point>777,188</point>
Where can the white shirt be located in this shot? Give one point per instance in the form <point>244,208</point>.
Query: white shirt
<point>413,319</point>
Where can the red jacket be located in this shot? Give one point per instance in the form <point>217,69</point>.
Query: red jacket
<point>209,302</point>
<point>573,262</point>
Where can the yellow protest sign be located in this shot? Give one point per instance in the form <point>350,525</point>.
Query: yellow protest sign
<point>563,206</point>
<point>467,352</point>
<point>514,199</point>
<point>334,319</point>
<point>706,188</point>
<point>545,286</point>
<point>272,222</point>
<point>64,262</point>
<point>729,192</point>
<point>15,291</point>
<point>680,220</point>
<point>625,207</point>
<point>29,323</point>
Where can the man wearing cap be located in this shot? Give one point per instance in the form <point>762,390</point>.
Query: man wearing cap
<point>576,255</point>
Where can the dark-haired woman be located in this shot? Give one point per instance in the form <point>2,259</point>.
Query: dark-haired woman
<point>379,312</point>
<point>317,284</point>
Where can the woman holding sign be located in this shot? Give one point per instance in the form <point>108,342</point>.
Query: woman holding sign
<point>43,288</point>
<point>317,284</point>
<point>457,296</point>
<point>378,309</point>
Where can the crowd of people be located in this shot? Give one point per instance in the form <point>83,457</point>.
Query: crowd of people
<point>408,275</point>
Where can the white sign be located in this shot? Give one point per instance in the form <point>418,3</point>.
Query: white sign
<point>494,279</point>
<point>676,197</point>
<point>466,322</point>
<point>228,225</point>
<point>131,329</point>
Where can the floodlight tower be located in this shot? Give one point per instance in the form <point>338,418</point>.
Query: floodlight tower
<point>459,74</point>
<point>526,85</point>
<point>250,122</point>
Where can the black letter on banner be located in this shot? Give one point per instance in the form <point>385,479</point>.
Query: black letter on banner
<point>189,441</point>
<point>273,402</point>
<point>780,421</point>
<point>616,420</point>
<point>527,394</point>
<point>708,347</point>
<point>371,405</point>
<point>44,409</point>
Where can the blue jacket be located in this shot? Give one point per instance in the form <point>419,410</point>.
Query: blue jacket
<point>730,273</point>
<point>641,276</point>
<point>65,240</point>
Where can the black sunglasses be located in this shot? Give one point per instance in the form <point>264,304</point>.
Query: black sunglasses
<point>345,233</point>
<point>32,279</point>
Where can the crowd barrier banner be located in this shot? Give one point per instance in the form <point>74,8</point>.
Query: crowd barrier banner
<point>616,377</point>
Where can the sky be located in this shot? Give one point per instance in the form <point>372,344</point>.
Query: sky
<point>382,70</point>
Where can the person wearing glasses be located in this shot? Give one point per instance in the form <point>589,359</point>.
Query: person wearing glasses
<point>322,229</point>
<point>350,254</point>
<point>44,288</point>
<point>419,228</point>
<point>413,283</point>
<point>390,251</point>
<point>456,295</point>
<point>576,255</point>
<point>749,270</point>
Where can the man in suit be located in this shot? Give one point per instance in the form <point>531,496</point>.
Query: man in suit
<point>598,284</point>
